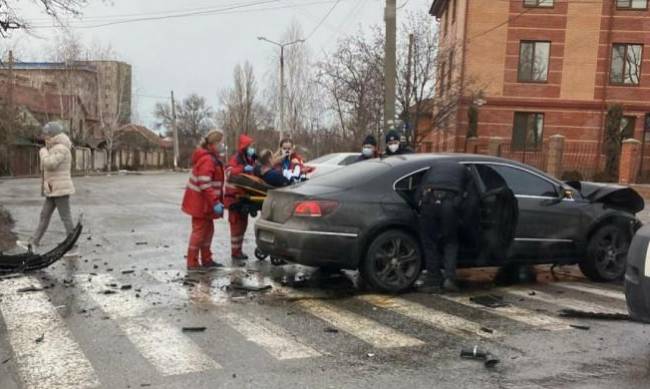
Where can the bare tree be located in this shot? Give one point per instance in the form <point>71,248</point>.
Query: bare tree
<point>238,102</point>
<point>189,122</point>
<point>12,17</point>
<point>352,78</point>
<point>421,86</point>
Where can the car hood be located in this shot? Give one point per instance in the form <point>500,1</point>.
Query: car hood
<point>617,196</point>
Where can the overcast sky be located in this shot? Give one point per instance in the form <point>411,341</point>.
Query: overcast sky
<point>197,53</point>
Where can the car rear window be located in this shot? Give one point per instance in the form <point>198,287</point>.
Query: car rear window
<point>353,175</point>
<point>323,159</point>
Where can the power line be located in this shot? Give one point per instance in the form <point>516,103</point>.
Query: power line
<point>215,11</point>
<point>323,20</point>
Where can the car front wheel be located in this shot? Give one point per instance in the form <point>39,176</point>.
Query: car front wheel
<point>606,254</point>
<point>393,262</point>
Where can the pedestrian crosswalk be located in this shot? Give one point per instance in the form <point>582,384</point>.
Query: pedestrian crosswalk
<point>57,360</point>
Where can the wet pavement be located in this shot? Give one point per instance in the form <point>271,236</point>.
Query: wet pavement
<point>124,314</point>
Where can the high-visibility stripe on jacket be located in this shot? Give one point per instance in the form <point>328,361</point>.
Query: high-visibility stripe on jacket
<point>205,186</point>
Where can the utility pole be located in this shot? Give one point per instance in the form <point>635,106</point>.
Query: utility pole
<point>281,93</point>
<point>175,133</point>
<point>390,63</point>
<point>407,119</point>
<point>11,92</point>
<point>282,46</point>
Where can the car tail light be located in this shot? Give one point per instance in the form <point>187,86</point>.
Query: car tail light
<point>314,208</point>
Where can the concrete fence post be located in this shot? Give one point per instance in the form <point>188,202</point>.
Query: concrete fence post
<point>494,146</point>
<point>629,162</point>
<point>555,155</point>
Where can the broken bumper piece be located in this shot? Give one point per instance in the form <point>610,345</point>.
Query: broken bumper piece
<point>31,261</point>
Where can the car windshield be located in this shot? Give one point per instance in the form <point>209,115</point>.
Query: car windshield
<point>323,159</point>
<point>352,175</point>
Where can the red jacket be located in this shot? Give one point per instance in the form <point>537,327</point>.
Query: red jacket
<point>236,167</point>
<point>205,187</point>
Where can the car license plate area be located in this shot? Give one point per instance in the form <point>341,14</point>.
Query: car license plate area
<point>267,237</point>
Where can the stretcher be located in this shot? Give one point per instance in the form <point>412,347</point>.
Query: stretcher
<point>31,261</point>
<point>250,201</point>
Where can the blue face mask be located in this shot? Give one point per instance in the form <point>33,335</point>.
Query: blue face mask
<point>250,151</point>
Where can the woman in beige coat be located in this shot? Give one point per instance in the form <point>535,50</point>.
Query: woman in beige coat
<point>56,164</point>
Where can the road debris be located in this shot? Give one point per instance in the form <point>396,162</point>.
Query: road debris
<point>487,330</point>
<point>194,329</point>
<point>251,288</point>
<point>580,327</point>
<point>331,330</point>
<point>40,339</point>
<point>125,287</point>
<point>370,355</point>
<point>127,271</point>
<point>108,291</point>
<point>575,314</point>
<point>141,243</point>
<point>475,353</point>
<point>489,300</point>
<point>29,289</point>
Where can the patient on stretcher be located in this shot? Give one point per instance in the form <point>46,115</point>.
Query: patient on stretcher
<point>264,169</point>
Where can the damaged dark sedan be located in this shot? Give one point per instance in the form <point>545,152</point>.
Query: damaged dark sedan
<point>363,217</point>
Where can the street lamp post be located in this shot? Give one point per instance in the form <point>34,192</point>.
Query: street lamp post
<point>282,46</point>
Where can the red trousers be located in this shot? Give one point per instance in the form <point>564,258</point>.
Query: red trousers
<point>238,224</point>
<point>200,242</point>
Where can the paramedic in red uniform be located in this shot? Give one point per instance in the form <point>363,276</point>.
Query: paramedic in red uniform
<point>242,162</point>
<point>203,199</point>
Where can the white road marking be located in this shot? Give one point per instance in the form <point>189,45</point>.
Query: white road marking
<point>444,321</point>
<point>613,294</point>
<point>646,271</point>
<point>57,361</point>
<point>371,332</point>
<point>160,342</point>
<point>564,302</point>
<point>275,340</point>
<point>521,315</point>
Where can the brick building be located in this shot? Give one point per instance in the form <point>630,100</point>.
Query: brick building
<point>103,89</point>
<point>545,67</point>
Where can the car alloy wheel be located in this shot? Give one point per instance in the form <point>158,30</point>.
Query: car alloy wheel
<point>607,254</point>
<point>393,262</point>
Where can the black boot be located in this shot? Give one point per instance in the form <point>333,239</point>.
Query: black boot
<point>450,285</point>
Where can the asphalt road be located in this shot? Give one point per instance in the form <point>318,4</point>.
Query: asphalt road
<point>113,316</point>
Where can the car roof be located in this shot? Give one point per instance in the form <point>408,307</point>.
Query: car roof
<point>405,160</point>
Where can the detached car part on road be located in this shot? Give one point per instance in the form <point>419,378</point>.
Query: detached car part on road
<point>363,217</point>
<point>31,261</point>
<point>637,276</point>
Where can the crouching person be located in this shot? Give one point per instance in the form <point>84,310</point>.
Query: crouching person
<point>441,197</point>
<point>203,199</point>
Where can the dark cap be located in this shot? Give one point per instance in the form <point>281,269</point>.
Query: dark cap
<point>370,140</point>
<point>391,136</point>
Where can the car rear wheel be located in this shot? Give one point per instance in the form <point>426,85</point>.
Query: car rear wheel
<point>606,254</point>
<point>393,262</point>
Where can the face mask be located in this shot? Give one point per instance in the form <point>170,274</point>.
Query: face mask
<point>286,152</point>
<point>367,151</point>
<point>393,148</point>
<point>250,151</point>
<point>221,148</point>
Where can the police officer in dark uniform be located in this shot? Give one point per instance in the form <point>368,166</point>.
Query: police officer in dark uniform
<point>440,198</point>
<point>368,149</point>
<point>393,145</point>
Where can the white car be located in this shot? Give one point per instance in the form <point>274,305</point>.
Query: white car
<point>331,162</point>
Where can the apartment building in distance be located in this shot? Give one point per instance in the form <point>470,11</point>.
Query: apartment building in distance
<point>544,67</point>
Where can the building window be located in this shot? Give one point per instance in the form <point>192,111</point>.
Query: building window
<point>534,58</point>
<point>627,126</point>
<point>632,4</point>
<point>626,64</point>
<point>538,3</point>
<point>442,79</point>
<point>450,71</point>
<point>527,132</point>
